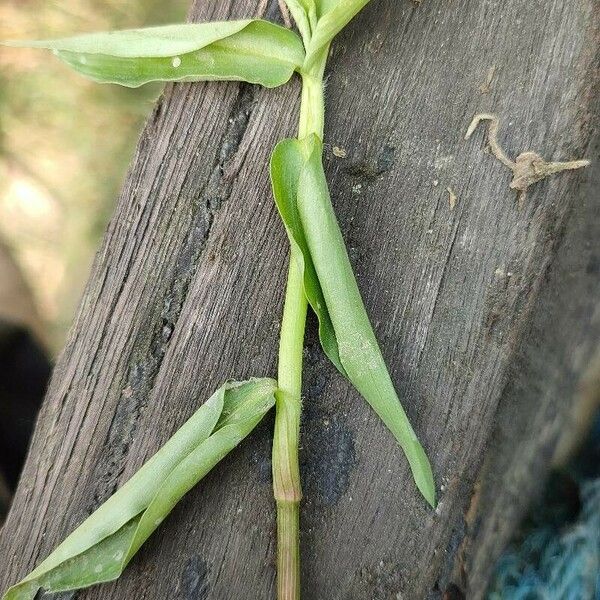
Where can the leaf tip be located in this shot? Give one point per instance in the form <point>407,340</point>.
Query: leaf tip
<point>429,494</point>
<point>423,474</point>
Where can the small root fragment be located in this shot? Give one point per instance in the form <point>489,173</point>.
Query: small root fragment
<point>529,167</point>
<point>492,137</point>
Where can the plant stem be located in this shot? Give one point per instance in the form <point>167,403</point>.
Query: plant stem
<point>312,107</point>
<point>286,471</point>
<point>288,401</point>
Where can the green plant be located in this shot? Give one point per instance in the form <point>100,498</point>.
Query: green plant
<point>320,275</point>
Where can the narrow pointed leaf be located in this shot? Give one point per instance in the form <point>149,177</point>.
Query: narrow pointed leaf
<point>359,351</point>
<point>102,546</point>
<point>250,50</point>
<point>333,17</point>
<point>287,162</point>
<point>304,13</point>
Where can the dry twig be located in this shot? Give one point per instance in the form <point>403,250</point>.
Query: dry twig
<point>529,167</point>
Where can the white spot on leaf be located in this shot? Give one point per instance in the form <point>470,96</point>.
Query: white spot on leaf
<point>176,61</point>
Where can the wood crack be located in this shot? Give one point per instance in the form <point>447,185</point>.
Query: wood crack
<point>146,362</point>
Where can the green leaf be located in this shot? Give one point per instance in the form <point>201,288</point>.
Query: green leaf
<point>287,162</point>
<point>325,6</point>
<point>251,50</point>
<point>334,15</point>
<point>359,351</point>
<point>305,15</point>
<point>102,546</point>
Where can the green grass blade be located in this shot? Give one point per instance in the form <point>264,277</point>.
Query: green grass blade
<point>333,17</point>
<point>287,162</point>
<point>162,41</point>
<point>244,407</point>
<point>255,51</point>
<point>358,348</point>
<point>102,546</point>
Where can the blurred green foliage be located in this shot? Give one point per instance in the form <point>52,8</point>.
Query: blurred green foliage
<point>65,144</point>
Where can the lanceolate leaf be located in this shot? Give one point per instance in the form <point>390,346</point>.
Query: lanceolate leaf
<point>287,162</point>
<point>251,50</point>
<point>102,546</point>
<point>359,352</point>
<point>333,17</point>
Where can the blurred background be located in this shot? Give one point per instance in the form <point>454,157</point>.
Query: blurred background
<point>65,144</point>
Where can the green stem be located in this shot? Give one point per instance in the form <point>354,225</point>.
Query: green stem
<point>286,472</point>
<point>312,108</point>
<point>288,555</point>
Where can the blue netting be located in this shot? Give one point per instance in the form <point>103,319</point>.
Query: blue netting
<point>558,557</point>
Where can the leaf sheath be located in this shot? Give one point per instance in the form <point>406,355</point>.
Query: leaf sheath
<point>346,333</point>
<point>287,162</point>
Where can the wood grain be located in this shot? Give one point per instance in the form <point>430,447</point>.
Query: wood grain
<point>186,291</point>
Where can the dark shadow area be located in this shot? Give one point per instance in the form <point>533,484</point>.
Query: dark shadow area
<point>24,373</point>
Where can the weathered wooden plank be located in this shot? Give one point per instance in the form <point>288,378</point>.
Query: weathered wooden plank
<point>186,291</point>
<point>552,391</point>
